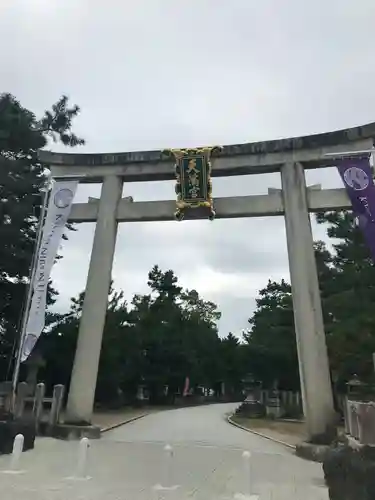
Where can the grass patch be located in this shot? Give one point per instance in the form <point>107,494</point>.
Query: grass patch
<point>289,432</point>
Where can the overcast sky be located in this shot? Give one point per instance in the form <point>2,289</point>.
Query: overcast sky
<point>150,74</point>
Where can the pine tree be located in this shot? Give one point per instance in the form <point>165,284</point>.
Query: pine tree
<point>349,299</point>
<point>21,180</point>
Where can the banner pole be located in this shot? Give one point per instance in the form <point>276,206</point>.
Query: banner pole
<point>353,154</point>
<point>16,372</point>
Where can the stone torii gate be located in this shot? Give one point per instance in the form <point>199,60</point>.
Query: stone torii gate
<point>289,157</point>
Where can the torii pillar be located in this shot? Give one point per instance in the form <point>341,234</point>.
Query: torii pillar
<point>85,369</point>
<point>314,371</point>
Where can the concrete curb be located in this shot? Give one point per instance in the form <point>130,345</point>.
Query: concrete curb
<point>235,424</point>
<point>124,422</point>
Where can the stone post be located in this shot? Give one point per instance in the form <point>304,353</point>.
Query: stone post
<point>34,363</point>
<point>85,369</point>
<point>140,393</point>
<point>22,392</point>
<point>57,404</point>
<point>222,389</point>
<point>38,405</point>
<point>308,318</point>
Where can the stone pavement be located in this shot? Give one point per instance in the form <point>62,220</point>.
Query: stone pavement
<point>128,462</point>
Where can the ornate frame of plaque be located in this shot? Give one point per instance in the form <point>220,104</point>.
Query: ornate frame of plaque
<point>193,181</point>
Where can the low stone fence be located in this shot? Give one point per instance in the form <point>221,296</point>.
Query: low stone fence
<point>290,402</point>
<point>48,411</point>
<point>349,467</point>
<point>273,404</point>
<point>45,411</point>
<point>359,417</point>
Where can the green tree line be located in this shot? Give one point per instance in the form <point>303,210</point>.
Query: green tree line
<point>156,341</point>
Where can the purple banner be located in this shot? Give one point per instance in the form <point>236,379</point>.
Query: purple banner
<point>357,176</point>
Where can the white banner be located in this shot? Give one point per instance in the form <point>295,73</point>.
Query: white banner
<point>59,207</point>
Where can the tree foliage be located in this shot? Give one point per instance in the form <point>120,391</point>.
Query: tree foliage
<point>349,300</point>
<point>156,341</point>
<point>347,284</point>
<point>271,338</point>
<point>21,180</point>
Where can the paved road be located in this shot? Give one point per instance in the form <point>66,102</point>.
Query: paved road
<point>127,464</point>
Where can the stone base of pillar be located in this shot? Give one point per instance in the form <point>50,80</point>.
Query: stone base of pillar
<point>71,432</point>
<point>312,452</point>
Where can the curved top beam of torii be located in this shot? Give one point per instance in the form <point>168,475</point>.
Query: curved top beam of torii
<point>238,159</point>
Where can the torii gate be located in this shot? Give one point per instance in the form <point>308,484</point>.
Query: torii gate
<point>294,201</point>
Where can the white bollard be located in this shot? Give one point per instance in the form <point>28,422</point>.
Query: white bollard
<point>247,479</point>
<point>168,450</point>
<point>17,452</point>
<point>83,450</point>
<point>81,467</point>
<point>167,480</point>
<point>16,455</point>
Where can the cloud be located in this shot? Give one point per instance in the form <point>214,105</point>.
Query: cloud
<point>159,73</point>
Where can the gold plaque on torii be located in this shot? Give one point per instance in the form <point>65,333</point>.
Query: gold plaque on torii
<point>193,180</point>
